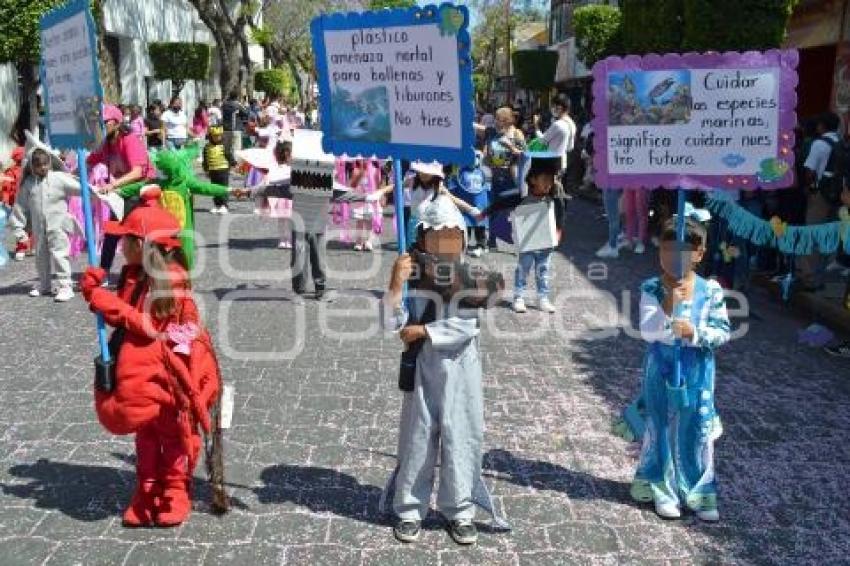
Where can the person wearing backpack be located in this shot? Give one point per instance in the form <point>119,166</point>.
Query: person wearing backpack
<point>826,170</point>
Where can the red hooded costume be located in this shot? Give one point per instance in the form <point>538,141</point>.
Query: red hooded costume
<point>162,396</point>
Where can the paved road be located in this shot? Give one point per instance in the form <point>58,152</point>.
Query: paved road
<point>315,428</point>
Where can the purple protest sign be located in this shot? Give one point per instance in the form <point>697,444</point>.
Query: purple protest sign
<point>696,121</point>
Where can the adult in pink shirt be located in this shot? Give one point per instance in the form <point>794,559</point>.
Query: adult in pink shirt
<point>128,162</point>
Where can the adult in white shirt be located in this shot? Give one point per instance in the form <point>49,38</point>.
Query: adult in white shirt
<point>176,124</point>
<point>818,209</point>
<point>561,135</point>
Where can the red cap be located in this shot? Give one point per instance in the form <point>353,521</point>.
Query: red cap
<point>148,221</point>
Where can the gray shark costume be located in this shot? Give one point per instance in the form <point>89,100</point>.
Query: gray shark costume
<point>444,414</point>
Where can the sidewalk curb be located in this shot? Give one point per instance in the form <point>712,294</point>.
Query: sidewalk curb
<point>807,306</point>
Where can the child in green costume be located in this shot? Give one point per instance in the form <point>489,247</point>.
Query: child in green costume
<point>179,184</point>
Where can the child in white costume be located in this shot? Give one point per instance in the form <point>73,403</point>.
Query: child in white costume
<point>42,203</point>
<point>442,412</point>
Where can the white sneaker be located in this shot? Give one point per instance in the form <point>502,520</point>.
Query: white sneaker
<point>223,210</point>
<point>37,293</point>
<point>607,252</point>
<point>214,210</point>
<point>475,252</point>
<point>546,305</point>
<point>668,510</point>
<point>623,242</point>
<point>519,305</point>
<point>367,246</point>
<point>64,295</point>
<point>640,248</point>
<point>19,256</point>
<point>709,515</point>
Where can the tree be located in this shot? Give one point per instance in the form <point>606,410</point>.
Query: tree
<point>535,69</point>
<point>20,44</point>
<point>724,25</point>
<point>599,32</point>
<point>492,34</point>
<point>285,33</point>
<point>228,23</point>
<point>180,62</point>
<point>274,82</point>
<point>663,17</point>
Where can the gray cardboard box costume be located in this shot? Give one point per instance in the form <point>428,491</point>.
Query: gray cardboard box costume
<point>444,415</point>
<point>312,186</point>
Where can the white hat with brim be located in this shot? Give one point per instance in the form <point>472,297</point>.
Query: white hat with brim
<point>440,214</point>
<point>433,168</point>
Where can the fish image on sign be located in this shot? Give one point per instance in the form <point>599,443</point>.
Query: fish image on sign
<point>642,98</point>
<point>364,116</point>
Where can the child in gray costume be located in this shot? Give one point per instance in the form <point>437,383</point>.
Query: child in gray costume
<point>442,413</point>
<point>42,203</point>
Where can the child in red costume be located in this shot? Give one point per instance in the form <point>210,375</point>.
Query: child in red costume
<point>10,182</point>
<point>167,378</point>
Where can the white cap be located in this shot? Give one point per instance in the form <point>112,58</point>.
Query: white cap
<point>433,168</point>
<point>441,213</point>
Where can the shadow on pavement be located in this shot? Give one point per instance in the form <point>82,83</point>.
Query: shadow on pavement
<point>321,490</point>
<point>542,475</point>
<point>84,493</point>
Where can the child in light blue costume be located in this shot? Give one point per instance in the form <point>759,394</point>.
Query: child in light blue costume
<point>681,424</point>
<point>442,413</point>
<point>471,186</point>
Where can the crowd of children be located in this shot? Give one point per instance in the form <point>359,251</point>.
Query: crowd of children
<point>168,379</point>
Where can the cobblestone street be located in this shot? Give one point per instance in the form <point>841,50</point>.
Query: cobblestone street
<point>314,430</point>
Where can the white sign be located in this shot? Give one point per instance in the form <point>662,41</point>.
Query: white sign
<point>397,87</point>
<point>713,132</point>
<point>396,83</point>
<point>71,81</point>
<point>534,226</point>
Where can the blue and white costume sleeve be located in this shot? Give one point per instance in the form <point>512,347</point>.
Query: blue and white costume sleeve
<point>677,455</point>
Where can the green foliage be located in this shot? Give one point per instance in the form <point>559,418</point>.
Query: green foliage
<point>654,26</point>
<point>599,32</point>
<point>19,37</point>
<point>263,36</point>
<point>380,4</point>
<point>180,62</point>
<point>274,82</point>
<point>735,25</point>
<point>675,26</point>
<point>535,69</point>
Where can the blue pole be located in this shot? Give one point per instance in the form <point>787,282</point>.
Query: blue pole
<point>398,192</point>
<point>680,269</point>
<point>90,244</point>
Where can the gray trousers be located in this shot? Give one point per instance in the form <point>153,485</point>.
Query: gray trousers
<point>810,268</point>
<point>443,415</point>
<point>52,257</point>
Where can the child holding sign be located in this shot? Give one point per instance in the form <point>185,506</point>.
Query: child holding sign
<point>166,376</point>
<point>442,411</point>
<point>677,459</point>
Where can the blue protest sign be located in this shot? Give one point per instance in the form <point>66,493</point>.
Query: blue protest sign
<point>397,83</point>
<point>70,77</point>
